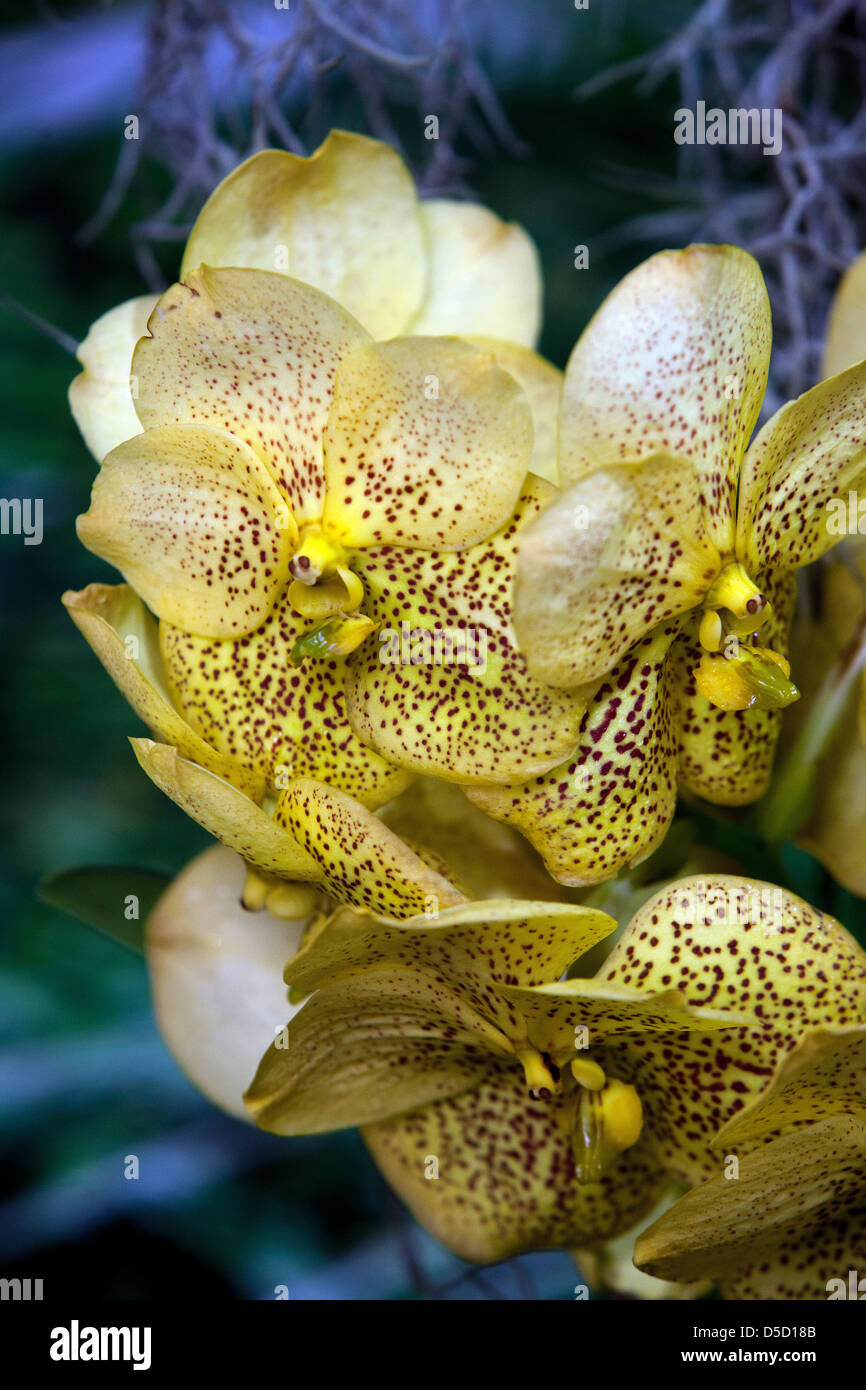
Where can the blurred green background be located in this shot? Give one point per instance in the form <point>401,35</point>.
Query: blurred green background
<point>220,1210</point>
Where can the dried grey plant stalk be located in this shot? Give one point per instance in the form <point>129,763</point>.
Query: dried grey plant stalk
<point>801,212</point>
<point>283,79</point>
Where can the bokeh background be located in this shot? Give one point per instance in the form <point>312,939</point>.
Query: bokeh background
<point>221,1210</point>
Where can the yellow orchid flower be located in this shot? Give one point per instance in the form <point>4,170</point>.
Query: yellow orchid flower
<point>348,221</point>
<point>458,1041</point>
<point>658,587</point>
<point>297,488</point>
<point>790,1222</point>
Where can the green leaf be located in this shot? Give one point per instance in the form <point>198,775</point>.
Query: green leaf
<point>113,899</point>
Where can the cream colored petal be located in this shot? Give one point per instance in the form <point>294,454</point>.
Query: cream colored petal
<point>845,342</point>
<point>192,519</point>
<point>610,559</point>
<point>345,220</point>
<point>542,383</point>
<point>124,636</point>
<point>802,473</point>
<point>255,354</point>
<point>503,1181</point>
<point>381,1043</point>
<point>674,361</point>
<point>101,396</point>
<point>216,976</point>
<point>427,445</point>
<point>485,274</point>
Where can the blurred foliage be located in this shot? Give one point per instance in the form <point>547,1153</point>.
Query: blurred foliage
<point>220,1210</point>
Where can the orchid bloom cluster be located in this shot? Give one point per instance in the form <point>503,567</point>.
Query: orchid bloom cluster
<point>330,454</point>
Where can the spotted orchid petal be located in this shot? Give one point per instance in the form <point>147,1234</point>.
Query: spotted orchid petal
<point>478,949</point>
<point>124,636</point>
<point>609,1010</point>
<point>427,445</point>
<point>805,465</point>
<point>727,943</point>
<point>504,1174</point>
<point>345,220</point>
<point>441,688</point>
<point>610,803</point>
<point>254,354</point>
<point>845,342</point>
<point>216,976</point>
<point>362,861</point>
<point>825,1074</point>
<point>610,559</point>
<point>101,396</point>
<point>675,361</point>
<point>793,1221</point>
<point>383,1042</point>
<point>190,516</point>
<point>246,699</point>
<point>726,756</point>
<point>484,274</point>
<point>322,836</point>
<point>542,385</point>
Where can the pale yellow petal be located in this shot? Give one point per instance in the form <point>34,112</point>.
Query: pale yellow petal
<point>191,517</point>
<point>101,396</point>
<point>124,636</point>
<point>845,342</point>
<point>542,383</point>
<point>227,814</point>
<point>441,688</point>
<point>479,949</point>
<point>610,803</point>
<point>825,1074</point>
<point>484,277</point>
<point>803,473</point>
<point>728,943</point>
<point>793,1219</point>
<point>427,445</point>
<point>255,354</point>
<point>611,558</point>
<point>674,361</point>
<point>345,219</point>
<point>361,861</point>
